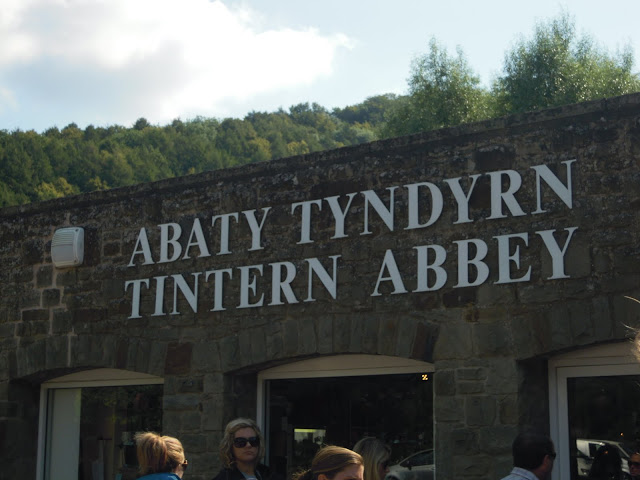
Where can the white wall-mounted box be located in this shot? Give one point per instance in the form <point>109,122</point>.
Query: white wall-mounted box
<point>67,247</point>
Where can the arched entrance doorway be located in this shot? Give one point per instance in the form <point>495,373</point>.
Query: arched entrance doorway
<point>338,400</point>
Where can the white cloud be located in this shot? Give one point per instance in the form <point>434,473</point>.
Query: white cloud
<point>7,100</point>
<point>169,58</point>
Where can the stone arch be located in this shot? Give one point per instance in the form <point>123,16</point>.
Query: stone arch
<point>53,356</point>
<point>293,339</point>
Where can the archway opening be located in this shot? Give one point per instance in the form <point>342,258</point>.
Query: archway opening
<point>338,400</point>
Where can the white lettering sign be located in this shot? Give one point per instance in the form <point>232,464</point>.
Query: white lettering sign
<point>410,207</point>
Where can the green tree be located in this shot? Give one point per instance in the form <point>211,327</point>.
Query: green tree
<point>56,189</point>
<point>298,148</point>
<point>443,91</point>
<point>555,67</point>
<point>372,111</point>
<point>141,124</point>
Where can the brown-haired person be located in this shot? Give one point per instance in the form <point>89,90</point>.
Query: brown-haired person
<point>334,463</point>
<point>241,449</point>
<point>375,454</point>
<point>159,457</point>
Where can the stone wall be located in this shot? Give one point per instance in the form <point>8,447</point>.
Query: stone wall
<point>488,342</point>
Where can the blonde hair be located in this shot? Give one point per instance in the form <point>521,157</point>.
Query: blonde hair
<point>330,461</point>
<point>226,444</point>
<point>158,454</point>
<point>374,453</point>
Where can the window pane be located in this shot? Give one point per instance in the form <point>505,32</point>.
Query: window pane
<point>603,415</point>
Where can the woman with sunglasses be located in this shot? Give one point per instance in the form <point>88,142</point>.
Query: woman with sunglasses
<point>159,457</point>
<point>375,454</point>
<point>241,449</point>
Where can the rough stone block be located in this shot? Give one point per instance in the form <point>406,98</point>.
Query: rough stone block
<point>491,339</point>
<point>178,358</point>
<point>44,276</point>
<point>206,357</point>
<point>490,295</point>
<point>455,341</point>
<point>444,383</point>
<point>229,353</point>
<point>290,337</point>
<point>213,383</point>
<point>424,342</point>
<point>186,401</point>
<point>464,440</point>
<point>502,376</point>
<point>406,331</point>
<point>449,409</point>
<point>508,410</point>
<point>496,439</point>
<point>211,418</point>
<point>32,251</point>
<point>471,373</point>
<point>480,410</point>
<point>50,297</point>
<point>469,388</point>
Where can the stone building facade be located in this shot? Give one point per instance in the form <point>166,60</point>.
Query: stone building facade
<point>489,256</point>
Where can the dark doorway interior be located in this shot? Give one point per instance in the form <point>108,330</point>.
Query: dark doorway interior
<point>305,413</point>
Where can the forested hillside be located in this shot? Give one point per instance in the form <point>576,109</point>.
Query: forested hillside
<point>63,162</point>
<point>553,67</point>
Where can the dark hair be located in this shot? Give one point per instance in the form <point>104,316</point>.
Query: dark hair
<point>530,448</point>
<point>605,461</point>
<point>330,460</point>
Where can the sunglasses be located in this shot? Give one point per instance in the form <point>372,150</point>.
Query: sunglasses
<point>634,464</point>
<point>240,442</point>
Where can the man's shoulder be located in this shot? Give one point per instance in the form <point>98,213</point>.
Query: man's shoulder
<point>521,474</point>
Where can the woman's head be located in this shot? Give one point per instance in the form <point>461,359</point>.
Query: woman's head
<point>375,454</point>
<point>334,463</point>
<point>157,454</point>
<point>241,442</point>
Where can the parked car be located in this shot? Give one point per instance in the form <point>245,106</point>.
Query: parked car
<point>419,466</point>
<point>587,448</point>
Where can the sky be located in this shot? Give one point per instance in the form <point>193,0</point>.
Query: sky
<point>111,62</point>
